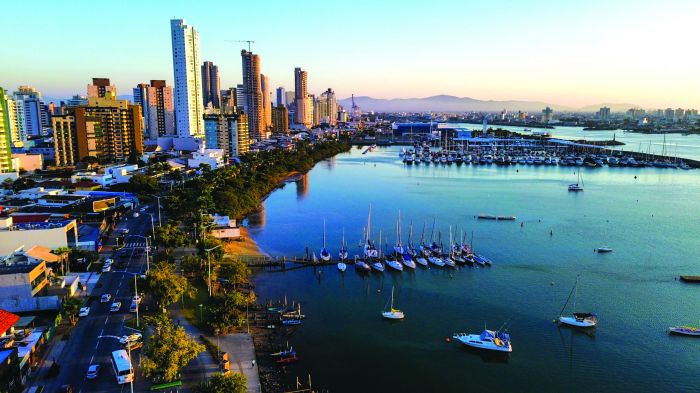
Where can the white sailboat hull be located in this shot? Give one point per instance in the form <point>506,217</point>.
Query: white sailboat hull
<point>395,265</point>
<point>342,266</point>
<point>393,314</point>
<point>572,321</point>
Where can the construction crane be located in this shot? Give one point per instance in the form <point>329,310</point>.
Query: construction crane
<point>248,41</point>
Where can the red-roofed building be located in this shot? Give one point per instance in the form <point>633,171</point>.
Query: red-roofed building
<point>7,320</point>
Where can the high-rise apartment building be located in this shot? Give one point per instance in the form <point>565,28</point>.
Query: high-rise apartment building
<point>99,87</point>
<point>309,104</point>
<point>211,86</point>
<point>156,101</point>
<point>253,94</point>
<point>289,98</point>
<point>241,98</point>
<point>327,106</point>
<point>28,112</point>
<point>188,80</point>
<point>240,137</point>
<point>106,128</point>
<point>604,113</point>
<point>301,97</point>
<point>267,102</point>
<point>281,97</point>
<point>547,115</point>
<point>280,119</point>
<point>11,112</point>
<point>229,101</point>
<point>5,137</point>
<point>227,132</point>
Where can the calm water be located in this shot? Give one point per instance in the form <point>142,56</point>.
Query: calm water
<point>651,222</point>
<point>685,146</point>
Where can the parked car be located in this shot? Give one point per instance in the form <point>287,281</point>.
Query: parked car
<point>133,345</point>
<point>84,312</point>
<point>92,372</point>
<point>105,298</point>
<point>116,306</point>
<point>136,214</point>
<point>131,338</point>
<point>106,268</point>
<point>125,231</point>
<point>109,261</point>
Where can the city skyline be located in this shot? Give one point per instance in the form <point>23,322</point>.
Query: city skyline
<point>627,53</point>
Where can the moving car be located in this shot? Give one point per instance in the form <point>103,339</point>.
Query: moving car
<point>92,372</point>
<point>125,231</point>
<point>84,312</point>
<point>130,338</point>
<point>136,214</point>
<point>116,306</point>
<point>105,298</point>
<point>106,268</point>
<point>109,261</point>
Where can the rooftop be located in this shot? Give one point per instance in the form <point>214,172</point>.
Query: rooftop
<point>7,320</point>
<point>18,268</point>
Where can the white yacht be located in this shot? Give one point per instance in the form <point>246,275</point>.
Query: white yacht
<point>488,340</point>
<point>577,319</point>
<point>390,312</point>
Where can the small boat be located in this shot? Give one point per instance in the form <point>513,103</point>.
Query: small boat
<point>488,340</point>
<point>325,255</point>
<point>578,186</point>
<point>436,261</point>
<point>287,360</point>
<point>685,331</point>
<point>343,254</point>
<point>289,322</point>
<point>378,266</point>
<point>482,260</point>
<point>693,279</point>
<point>448,261</point>
<point>285,353</point>
<point>362,265</point>
<point>422,261</point>
<point>408,261</point>
<point>342,266</point>
<point>394,264</point>
<point>577,319</point>
<point>603,249</point>
<point>391,312</point>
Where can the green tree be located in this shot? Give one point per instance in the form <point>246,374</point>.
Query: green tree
<point>142,184</point>
<point>168,352</point>
<point>235,271</point>
<point>71,309</point>
<point>170,236</point>
<point>191,265</point>
<point>226,310</point>
<point>221,383</point>
<point>165,285</point>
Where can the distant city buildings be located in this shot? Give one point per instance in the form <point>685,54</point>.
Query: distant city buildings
<point>253,94</point>
<point>227,132</point>
<point>547,115</point>
<point>604,113</point>
<point>211,86</point>
<point>281,97</point>
<point>156,101</point>
<point>189,120</point>
<point>30,113</point>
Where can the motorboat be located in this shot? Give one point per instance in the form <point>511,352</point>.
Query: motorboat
<point>603,249</point>
<point>488,340</point>
<point>389,311</point>
<point>685,331</point>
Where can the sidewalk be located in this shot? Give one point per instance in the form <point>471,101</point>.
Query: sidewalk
<point>204,365</point>
<point>242,353</point>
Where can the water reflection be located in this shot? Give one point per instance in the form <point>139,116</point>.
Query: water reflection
<point>257,219</point>
<point>302,183</point>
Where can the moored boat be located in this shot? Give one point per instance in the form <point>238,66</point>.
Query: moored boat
<point>488,340</point>
<point>684,331</point>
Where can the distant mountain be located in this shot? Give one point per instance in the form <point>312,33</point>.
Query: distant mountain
<point>447,103</point>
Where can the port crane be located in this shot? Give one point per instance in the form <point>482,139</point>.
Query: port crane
<point>248,41</point>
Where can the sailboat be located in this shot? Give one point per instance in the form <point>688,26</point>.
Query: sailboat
<point>578,186</point>
<point>577,319</point>
<point>398,248</point>
<point>325,255</point>
<point>377,264</point>
<point>343,254</point>
<point>370,249</point>
<point>391,312</point>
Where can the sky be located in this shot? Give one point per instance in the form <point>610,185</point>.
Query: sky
<point>565,52</point>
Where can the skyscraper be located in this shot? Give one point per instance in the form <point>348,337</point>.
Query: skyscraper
<point>281,96</point>
<point>267,102</point>
<point>211,87</point>
<point>11,113</point>
<point>99,87</point>
<point>280,120</point>
<point>309,118</point>
<point>5,138</point>
<point>253,94</point>
<point>300,97</point>
<point>289,98</point>
<point>547,115</point>
<point>241,98</point>
<point>328,108</point>
<point>156,102</point>
<point>28,111</point>
<point>189,110</point>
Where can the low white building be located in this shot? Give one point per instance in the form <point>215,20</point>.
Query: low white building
<point>111,175</point>
<point>212,157</point>
<point>224,227</point>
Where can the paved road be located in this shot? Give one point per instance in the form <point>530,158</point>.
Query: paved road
<point>90,341</point>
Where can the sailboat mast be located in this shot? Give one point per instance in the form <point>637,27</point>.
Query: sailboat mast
<point>369,223</point>
<point>569,298</point>
<point>324,233</point>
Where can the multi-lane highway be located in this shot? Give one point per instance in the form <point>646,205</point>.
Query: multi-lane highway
<point>96,335</point>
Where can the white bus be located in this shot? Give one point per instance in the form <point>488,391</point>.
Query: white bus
<point>122,366</point>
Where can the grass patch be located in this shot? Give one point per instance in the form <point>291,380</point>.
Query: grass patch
<point>190,307</point>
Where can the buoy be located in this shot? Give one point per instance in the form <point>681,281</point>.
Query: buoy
<point>551,283</point>
<point>554,321</point>
<point>447,339</point>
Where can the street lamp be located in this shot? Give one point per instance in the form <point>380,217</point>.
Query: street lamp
<point>200,312</point>
<point>209,266</point>
<point>153,228</point>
